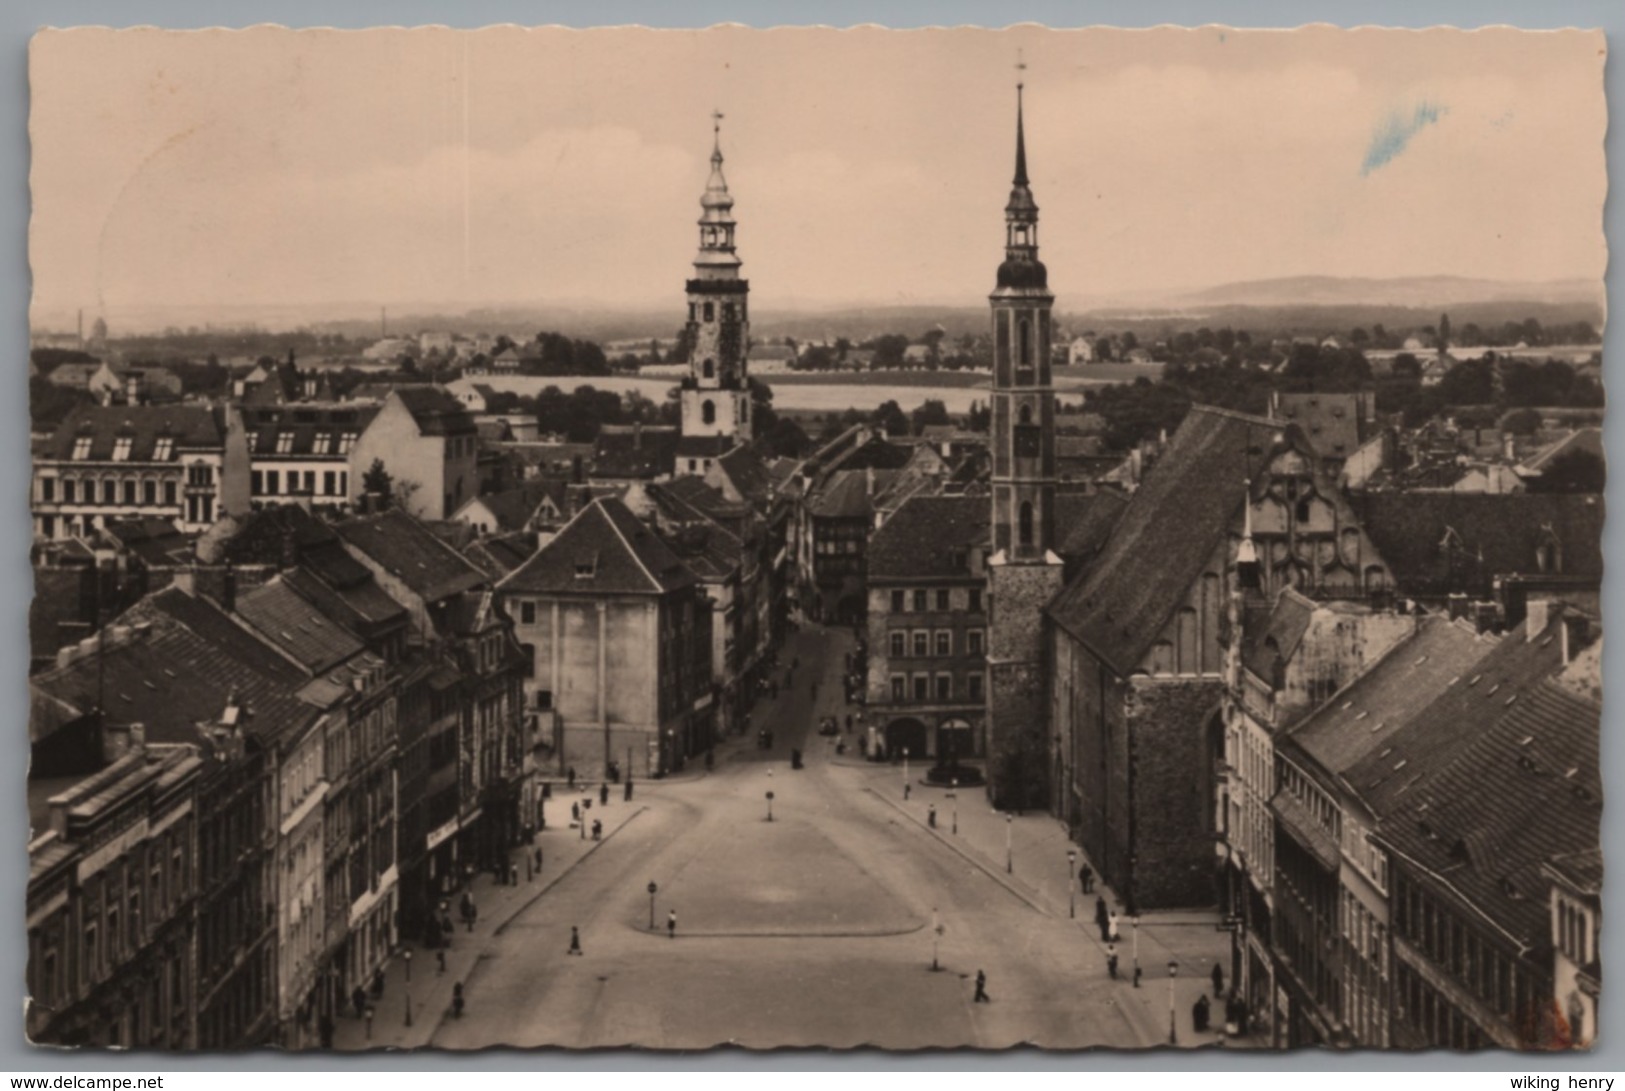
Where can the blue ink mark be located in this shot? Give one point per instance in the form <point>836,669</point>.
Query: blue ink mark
<point>1395,133</point>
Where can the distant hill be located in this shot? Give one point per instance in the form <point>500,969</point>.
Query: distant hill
<point>1428,292</point>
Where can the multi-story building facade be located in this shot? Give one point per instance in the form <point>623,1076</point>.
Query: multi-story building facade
<point>1576,915</point>
<point>185,463</point>
<point>428,444</point>
<point>305,452</point>
<point>927,629</point>
<point>618,634</point>
<point>111,890</point>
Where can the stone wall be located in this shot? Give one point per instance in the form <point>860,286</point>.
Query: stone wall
<point>1170,765</point>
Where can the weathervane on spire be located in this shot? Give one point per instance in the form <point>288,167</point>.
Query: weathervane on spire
<point>1021,66</point>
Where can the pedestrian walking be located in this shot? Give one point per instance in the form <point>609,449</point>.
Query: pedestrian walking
<point>1112,933</point>
<point>603,795</point>
<point>1218,981</point>
<point>575,941</point>
<point>441,953</point>
<point>571,774</point>
<point>1086,876</point>
<point>575,812</point>
<point>513,874</point>
<point>1101,919</point>
<point>981,996</point>
<point>905,791</point>
<point>1111,961</point>
<point>628,792</point>
<point>538,860</point>
<point>597,830</point>
<point>671,924</point>
<point>457,1000</point>
<point>1200,1014</point>
<point>359,999</point>
<point>931,816</point>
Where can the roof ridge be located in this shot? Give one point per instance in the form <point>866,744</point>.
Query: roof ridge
<point>615,526</point>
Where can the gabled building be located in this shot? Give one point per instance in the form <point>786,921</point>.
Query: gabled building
<point>1140,638</point>
<point>305,452</point>
<point>428,443</point>
<point>927,630</point>
<point>617,632</point>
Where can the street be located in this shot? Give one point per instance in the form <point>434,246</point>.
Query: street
<point>814,928</point>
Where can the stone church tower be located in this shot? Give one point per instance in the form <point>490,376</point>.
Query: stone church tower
<point>1024,573</point>
<point>715,397</point>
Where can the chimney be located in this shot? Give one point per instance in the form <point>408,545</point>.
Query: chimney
<point>869,480</point>
<point>1508,447</point>
<point>185,581</point>
<point>1538,617</point>
<point>228,590</point>
<point>132,390</point>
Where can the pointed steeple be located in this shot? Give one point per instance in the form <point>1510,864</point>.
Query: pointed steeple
<point>717,256</point>
<point>1021,142</point>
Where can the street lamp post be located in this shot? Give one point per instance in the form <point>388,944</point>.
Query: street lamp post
<point>1135,920</point>
<point>953,799</point>
<point>936,938</point>
<point>770,806</point>
<point>1071,890</point>
<point>905,769</point>
<point>1009,853</point>
<point>406,956</point>
<point>1173,972</point>
<point>654,889</point>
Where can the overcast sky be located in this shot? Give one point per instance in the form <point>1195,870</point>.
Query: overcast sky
<point>504,165</point>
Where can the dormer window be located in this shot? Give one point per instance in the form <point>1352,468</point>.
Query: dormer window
<point>81,447</point>
<point>121,448</point>
<point>347,442</point>
<point>284,443</point>
<point>164,449</point>
<point>587,567</point>
<point>322,443</point>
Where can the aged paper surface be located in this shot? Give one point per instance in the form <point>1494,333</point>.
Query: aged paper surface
<point>626,537</point>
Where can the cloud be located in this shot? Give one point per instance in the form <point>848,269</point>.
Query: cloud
<point>1395,132</point>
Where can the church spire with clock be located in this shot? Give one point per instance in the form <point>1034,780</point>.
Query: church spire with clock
<point>715,397</point>
<point>1024,573</point>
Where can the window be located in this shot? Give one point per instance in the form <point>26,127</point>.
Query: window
<point>922,687</point>
<point>973,642</point>
<point>710,312</point>
<point>273,482</point>
<point>81,447</point>
<point>129,492</point>
<point>973,686</point>
<point>943,598</point>
<point>164,449</point>
<point>1026,524</point>
<point>898,644</point>
<point>898,600</point>
<point>256,483</point>
<point>109,492</point>
<point>69,488</point>
<point>322,443</point>
<point>329,483</point>
<point>898,688</point>
<point>47,489</point>
<point>149,493</point>
<point>347,443</point>
<point>920,606</point>
<point>527,613</point>
<point>121,448</point>
<point>708,412</point>
<point>945,687</point>
<point>922,643</point>
<point>945,642</point>
<point>169,492</point>
<point>544,699</point>
<point>284,443</point>
<point>710,368</point>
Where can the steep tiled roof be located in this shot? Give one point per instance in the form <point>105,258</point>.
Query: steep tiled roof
<point>1280,633</point>
<point>1491,535</point>
<point>1172,525</point>
<point>931,536</point>
<point>302,423</point>
<point>1360,718</point>
<point>436,410</point>
<point>624,452</point>
<point>499,554</point>
<point>513,508</point>
<point>178,667</point>
<point>407,550</point>
<point>748,474</point>
<point>192,427</point>
<point>1522,789</point>
<point>1083,522</point>
<point>1582,870</point>
<point>156,541</point>
<point>846,494</point>
<point>1581,439</point>
<point>1496,683</point>
<point>284,619</point>
<point>603,550</point>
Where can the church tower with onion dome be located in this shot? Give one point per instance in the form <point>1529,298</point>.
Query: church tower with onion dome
<point>1024,573</point>
<point>715,397</point>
